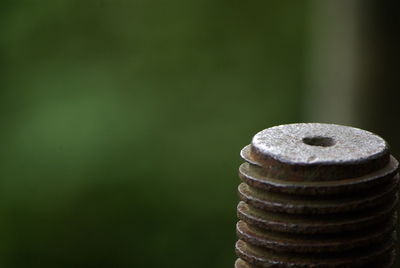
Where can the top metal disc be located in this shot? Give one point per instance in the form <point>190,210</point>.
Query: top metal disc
<point>319,145</point>
<point>311,143</point>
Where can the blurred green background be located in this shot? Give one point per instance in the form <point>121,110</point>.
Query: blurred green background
<point>122,122</point>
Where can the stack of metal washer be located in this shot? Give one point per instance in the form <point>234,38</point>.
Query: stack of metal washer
<point>317,195</point>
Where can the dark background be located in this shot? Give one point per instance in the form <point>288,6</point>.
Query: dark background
<point>122,121</point>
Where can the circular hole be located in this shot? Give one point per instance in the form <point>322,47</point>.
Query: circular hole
<point>319,141</point>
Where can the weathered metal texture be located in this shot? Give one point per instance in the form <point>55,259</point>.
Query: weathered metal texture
<point>317,195</point>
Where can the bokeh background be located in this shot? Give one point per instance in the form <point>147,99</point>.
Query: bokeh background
<point>122,121</point>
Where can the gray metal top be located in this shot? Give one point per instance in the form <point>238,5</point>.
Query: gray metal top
<point>316,143</point>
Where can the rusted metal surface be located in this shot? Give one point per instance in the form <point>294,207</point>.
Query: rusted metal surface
<point>317,195</point>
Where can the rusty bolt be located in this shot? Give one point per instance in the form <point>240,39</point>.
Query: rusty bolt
<point>317,195</point>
